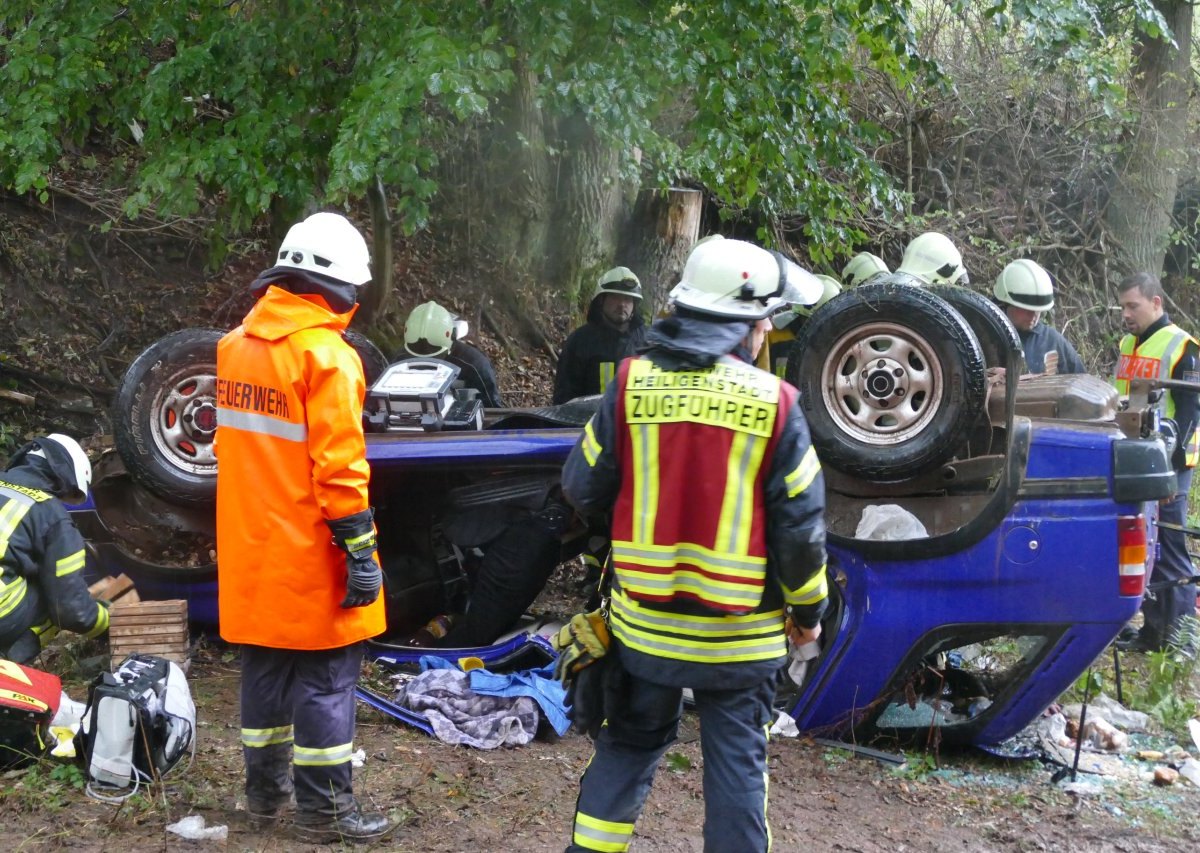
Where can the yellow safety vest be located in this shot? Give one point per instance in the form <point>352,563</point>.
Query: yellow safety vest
<point>1156,359</point>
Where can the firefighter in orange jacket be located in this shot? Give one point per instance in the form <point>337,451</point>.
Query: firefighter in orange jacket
<point>298,578</point>
<point>717,504</point>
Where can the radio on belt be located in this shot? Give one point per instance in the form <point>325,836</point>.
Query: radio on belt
<point>418,394</point>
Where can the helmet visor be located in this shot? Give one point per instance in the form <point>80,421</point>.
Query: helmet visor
<point>797,286</point>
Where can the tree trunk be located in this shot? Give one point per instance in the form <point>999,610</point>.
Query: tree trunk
<point>373,298</point>
<point>664,226</point>
<point>590,213</point>
<point>1143,189</point>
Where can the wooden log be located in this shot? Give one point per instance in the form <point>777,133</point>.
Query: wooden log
<point>17,397</point>
<point>99,586</point>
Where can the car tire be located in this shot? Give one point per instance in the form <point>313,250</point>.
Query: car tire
<point>891,379</point>
<point>373,360</point>
<point>997,336</point>
<point>165,417</point>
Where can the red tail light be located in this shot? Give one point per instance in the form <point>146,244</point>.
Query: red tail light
<point>1131,554</point>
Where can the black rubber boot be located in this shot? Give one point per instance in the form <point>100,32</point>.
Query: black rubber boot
<point>354,825</point>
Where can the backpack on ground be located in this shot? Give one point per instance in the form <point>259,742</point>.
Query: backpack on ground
<point>139,723</point>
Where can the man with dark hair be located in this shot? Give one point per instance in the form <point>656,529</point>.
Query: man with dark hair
<point>717,502</point>
<point>1156,348</point>
<point>614,330</point>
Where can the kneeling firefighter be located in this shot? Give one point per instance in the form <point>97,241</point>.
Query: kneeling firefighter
<point>42,587</point>
<point>717,504</point>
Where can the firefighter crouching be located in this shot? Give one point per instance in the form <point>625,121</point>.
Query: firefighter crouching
<point>717,504</point>
<point>42,588</point>
<point>299,579</point>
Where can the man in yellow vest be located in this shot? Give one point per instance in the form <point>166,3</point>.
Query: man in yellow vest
<point>717,503</point>
<point>1156,348</point>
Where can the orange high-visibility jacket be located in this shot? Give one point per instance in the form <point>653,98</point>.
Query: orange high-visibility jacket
<point>292,454</point>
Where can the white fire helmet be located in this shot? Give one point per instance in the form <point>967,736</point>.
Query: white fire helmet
<point>328,244</point>
<point>862,268</point>
<point>933,258</point>
<point>1025,284</point>
<point>736,280</point>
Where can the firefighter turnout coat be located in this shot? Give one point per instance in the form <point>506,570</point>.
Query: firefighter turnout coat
<point>42,586</point>
<point>717,502</point>
<point>292,455</point>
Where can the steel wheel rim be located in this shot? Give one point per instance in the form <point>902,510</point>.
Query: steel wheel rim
<point>185,421</point>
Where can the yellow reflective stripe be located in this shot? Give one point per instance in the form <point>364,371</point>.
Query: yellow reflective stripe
<point>687,625</point>
<point>589,445</point>
<point>592,833</point>
<point>266,737</point>
<point>608,369</point>
<point>814,590</point>
<point>14,672</point>
<point>11,595</point>
<point>801,478</point>
<point>307,756</point>
<point>101,622</point>
<point>645,480</point>
<point>10,516</point>
<point>649,554</point>
<point>591,560</point>
<point>731,501</point>
<point>71,563</point>
<point>738,595</point>
<point>742,520</point>
<point>724,651</point>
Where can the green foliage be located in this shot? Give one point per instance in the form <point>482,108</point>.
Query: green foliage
<point>274,107</point>
<point>916,767</point>
<point>45,784</point>
<point>677,762</point>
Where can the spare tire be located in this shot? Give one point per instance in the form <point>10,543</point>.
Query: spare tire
<point>891,377</point>
<point>165,417</point>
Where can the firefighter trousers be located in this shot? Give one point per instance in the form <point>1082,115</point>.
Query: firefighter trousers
<point>298,727</point>
<point>640,728</point>
<point>1170,604</point>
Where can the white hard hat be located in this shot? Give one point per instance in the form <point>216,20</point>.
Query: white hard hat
<point>1025,284</point>
<point>81,467</point>
<point>831,289</point>
<point>933,258</point>
<point>736,280</point>
<point>430,330</point>
<point>620,281</point>
<point>863,267</point>
<point>328,244</point>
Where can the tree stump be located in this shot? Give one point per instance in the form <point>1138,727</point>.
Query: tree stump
<point>664,227</point>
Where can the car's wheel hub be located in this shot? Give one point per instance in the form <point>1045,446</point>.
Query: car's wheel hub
<point>187,421</point>
<point>882,384</point>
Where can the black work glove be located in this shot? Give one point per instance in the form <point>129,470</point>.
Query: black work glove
<point>355,534</point>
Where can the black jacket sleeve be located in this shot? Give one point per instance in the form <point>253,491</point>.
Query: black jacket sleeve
<point>566,378</point>
<point>61,575</point>
<point>590,478</point>
<point>795,503</point>
<point>475,370</point>
<point>1187,369</point>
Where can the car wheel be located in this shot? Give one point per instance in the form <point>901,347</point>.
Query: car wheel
<point>166,417</point>
<point>892,379</point>
<point>373,360</point>
<point>997,337</point>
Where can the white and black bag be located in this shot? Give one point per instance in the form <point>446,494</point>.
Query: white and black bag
<point>139,723</point>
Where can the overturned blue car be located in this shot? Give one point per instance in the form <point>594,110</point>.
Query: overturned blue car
<point>988,532</point>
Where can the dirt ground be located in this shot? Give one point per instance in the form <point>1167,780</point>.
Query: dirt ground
<point>80,305</point>
<point>449,799</point>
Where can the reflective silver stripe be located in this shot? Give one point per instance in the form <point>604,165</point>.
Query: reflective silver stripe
<point>735,595</point>
<point>71,563</point>
<point>11,595</point>
<point>604,836</point>
<point>266,737</point>
<point>668,555</point>
<point>11,514</point>
<point>261,424</point>
<point>308,756</point>
<point>805,473</point>
<point>710,626</point>
<point>756,648</point>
